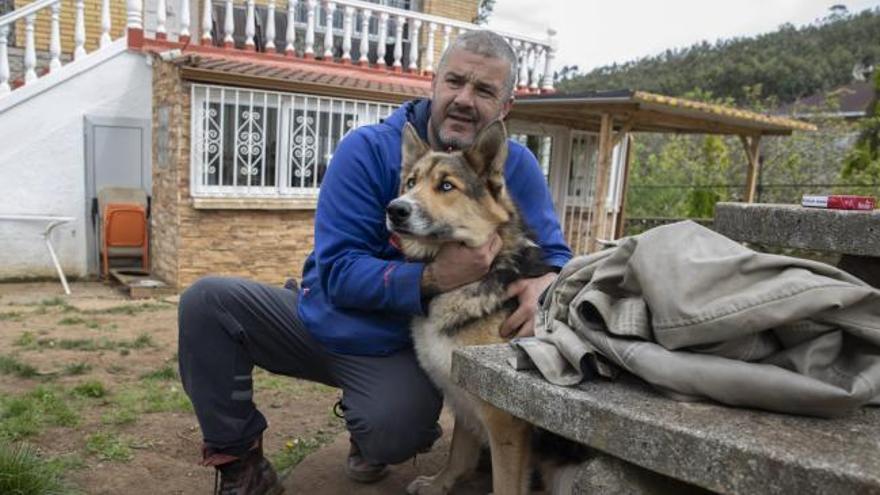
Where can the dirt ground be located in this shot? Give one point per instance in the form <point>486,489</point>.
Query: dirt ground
<point>129,348</point>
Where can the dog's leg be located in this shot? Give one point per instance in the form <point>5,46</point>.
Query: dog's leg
<point>464,453</point>
<point>509,439</point>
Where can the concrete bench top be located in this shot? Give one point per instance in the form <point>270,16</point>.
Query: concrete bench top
<point>839,231</point>
<point>727,450</point>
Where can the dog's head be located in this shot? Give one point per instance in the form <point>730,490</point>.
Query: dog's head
<point>458,196</point>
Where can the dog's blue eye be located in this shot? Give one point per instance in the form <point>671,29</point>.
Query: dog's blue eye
<point>410,183</point>
<point>446,186</point>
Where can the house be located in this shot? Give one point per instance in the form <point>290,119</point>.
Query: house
<point>227,113</point>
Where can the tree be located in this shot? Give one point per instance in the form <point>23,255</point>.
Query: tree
<point>862,165</point>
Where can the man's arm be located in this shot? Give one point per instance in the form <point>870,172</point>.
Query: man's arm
<point>350,234</point>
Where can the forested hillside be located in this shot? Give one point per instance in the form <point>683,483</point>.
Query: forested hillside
<point>789,63</point>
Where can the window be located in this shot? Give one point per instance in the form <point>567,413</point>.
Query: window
<point>268,145</point>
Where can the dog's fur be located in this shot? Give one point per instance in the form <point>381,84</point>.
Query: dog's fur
<point>461,197</point>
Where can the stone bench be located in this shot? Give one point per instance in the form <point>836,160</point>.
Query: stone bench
<point>855,235</point>
<point>646,442</point>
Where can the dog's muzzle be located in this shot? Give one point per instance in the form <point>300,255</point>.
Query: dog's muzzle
<point>399,212</point>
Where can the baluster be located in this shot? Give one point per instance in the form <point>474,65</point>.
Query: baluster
<point>447,34</point>
<point>135,17</point>
<point>310,29</point>
<point>228,25</point>
<point>347,32</point>
<point>429,50</point>
<point>55,38</point>
<point>207,22</point>
<point>383,39</point>
<point>183,35</point>
<point>548,61</point>
<point>30,52</point>
<point>414,46</point>
<point>523,66</point>
<point>290,49</point>
<point>329,8</point>
<point>398,43</point>
<point>270,27</point>
<point>4,60</point>
<point>364,59</point>
<point>250,27</point>
<point>161,17</point>
<point>534,84</point>
<point>105,23</point>
<point>79,31</point>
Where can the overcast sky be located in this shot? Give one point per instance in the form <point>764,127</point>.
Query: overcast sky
<point>593,33</point>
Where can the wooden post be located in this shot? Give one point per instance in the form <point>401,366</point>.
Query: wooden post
<point>751,146</point>
<point>621,208</point>
<point>597,214</point>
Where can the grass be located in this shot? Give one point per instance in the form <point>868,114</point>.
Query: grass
<point>77,369</point>
<point>11,316</point>
<point>109,446</point>
<point>10,365</point>
<point>128,309</point>
<point>24,472</point>
<point>167,373</point>
<point>151,395</point>
<point>92,389</point>
<point>27,414</point>
<point>142,341</point>
<point>78,320</point>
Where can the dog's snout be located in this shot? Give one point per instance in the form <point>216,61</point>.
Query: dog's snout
<point>398,211</point>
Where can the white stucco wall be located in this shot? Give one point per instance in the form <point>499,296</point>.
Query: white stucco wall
<point>42,160</point>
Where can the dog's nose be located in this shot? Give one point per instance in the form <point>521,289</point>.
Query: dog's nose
<point>398,211</point>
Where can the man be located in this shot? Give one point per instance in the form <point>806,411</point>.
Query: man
<point>348,325</point>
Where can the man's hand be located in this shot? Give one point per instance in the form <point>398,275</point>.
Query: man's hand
<point>521,323</point>
<point>456,265</point>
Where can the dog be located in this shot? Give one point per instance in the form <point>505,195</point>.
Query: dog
<point>461,197</point>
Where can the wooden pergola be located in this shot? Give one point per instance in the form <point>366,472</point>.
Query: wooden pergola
<point>614,114</point>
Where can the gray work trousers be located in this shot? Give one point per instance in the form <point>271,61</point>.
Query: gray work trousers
<point>228,325</point>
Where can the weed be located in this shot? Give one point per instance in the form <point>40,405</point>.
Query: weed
<point>91,389</point>
<point>77,369</point>
<point>78,320</point>
<point>166,372</point>
<point>26,339</point>
<point>129,309</point>
<point>11,316</point>
<point>295,450</point>
<point>115,369</point>
<point>24,472</point>
<point>9,365</point>
<point>143,340</point>
<point>26,414</point>
<point>71,320</point>
<point>109,446</point>
<point>58,302</point>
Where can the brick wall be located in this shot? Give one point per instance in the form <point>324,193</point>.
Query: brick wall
<point>461,10</point>
<point>188,243</point>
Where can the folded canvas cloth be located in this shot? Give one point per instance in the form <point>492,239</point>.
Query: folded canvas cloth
<point>699,316</point>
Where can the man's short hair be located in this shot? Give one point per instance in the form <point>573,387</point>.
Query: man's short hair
<point>488,44</point>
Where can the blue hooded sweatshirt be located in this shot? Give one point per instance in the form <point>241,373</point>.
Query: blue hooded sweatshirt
<point>358,293</point>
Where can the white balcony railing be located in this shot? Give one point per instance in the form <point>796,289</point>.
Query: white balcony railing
<point>344,31</point>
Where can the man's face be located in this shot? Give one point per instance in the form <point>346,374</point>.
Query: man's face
<point>468,94</point>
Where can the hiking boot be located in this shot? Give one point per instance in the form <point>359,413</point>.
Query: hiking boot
<point>361,470</point>
<point>248,474</point>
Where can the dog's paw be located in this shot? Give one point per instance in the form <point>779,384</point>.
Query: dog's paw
<point>426,485</point>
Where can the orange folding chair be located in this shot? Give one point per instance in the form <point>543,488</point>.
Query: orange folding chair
<point>124,233</point>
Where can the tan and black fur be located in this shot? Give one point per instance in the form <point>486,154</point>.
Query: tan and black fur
<point>461,197</point>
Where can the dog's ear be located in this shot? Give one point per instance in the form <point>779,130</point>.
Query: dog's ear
<point>412,148</point>
<point>489,151</point>
<point>488,154</point>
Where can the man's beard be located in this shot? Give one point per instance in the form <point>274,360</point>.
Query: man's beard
<point>454,142</point>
